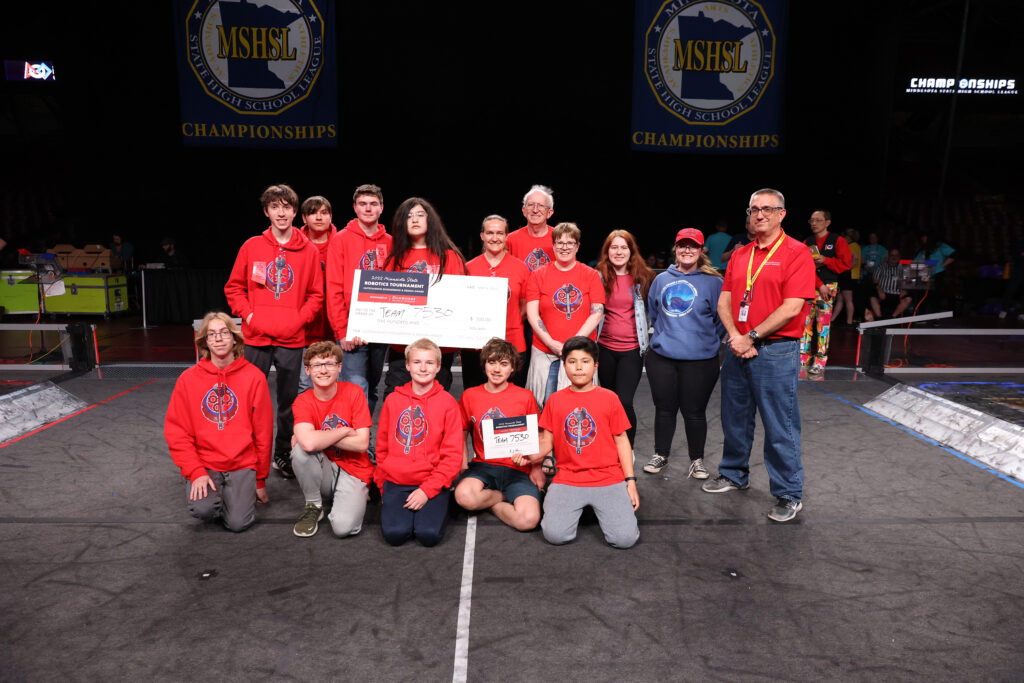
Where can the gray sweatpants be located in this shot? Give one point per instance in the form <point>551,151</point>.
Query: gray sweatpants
<point>234,501</point>
<point>564,504</point>
<point>319,477</point>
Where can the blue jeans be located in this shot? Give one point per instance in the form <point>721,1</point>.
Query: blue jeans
<point>767,384</point>
<point>552,385</point>
<point>363,366</point>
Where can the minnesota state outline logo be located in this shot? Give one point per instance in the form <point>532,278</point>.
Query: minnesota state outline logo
<point>256,58</point>
<point>709,61</point>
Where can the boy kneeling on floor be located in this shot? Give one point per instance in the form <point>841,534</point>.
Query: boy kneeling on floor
<point>332,433</point>
<point>419,451</point>
<point>585,427</point>
<point>220,427</point>
<point>510,491</point>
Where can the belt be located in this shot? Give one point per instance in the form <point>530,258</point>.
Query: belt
<point>772,340</point>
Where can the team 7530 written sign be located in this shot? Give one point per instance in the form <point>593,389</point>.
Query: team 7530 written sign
<point>457,311</point>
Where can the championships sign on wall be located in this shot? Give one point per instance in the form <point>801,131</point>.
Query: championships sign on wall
<point>707,76</point>
<point>257,74</point>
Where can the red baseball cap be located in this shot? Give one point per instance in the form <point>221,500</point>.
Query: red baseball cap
<point>690,234</point>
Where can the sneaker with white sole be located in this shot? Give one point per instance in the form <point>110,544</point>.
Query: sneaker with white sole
<point>722,484</point>
<point>656,464</point>
<point>283,465</point>
<point>697,469</point>
<point>785,509</point>
<point>307,524</point>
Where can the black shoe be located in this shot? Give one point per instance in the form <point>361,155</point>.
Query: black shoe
<point>283,465</point>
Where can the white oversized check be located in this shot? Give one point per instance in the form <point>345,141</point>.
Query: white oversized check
<point>459,311</point>
<point>505,436</point>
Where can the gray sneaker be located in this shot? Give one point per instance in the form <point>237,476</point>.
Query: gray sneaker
<point>307,524</point>
<point>697,469</point>
<point>655,464</point>
<point>785,509</point>
<point>721,484</point>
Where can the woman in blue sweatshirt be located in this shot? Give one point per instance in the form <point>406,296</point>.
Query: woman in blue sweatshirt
<point>682,363</point>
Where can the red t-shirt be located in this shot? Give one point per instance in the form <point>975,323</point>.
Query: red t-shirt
<point>348,408</point>
<point>565,298</point>
<point>516,273</point>
<point>788,275</point>
<point>618,331</point>
<point>478,404</point>
<point>422,260</point>
<point>535,252</point>
<point>582,426</point>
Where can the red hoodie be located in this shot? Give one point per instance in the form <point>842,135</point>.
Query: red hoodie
<point>280,285</point>
<point>220,420</point>
<point>351,250</point>
<point>419,439</point>
<point>320,328</point>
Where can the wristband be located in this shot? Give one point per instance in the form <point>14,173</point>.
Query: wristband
<point>630,479</point>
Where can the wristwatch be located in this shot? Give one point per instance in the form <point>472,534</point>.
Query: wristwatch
<point>753,335</point>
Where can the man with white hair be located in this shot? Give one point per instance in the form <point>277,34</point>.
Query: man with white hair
<point>531,244</point>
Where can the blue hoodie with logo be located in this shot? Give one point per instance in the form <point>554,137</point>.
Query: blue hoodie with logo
<point>684,314</point>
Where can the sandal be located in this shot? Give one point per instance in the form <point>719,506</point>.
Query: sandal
<point>547,465</point>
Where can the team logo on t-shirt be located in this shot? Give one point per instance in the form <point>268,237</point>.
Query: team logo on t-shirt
<point>491,414</point>
<point>677,299</point>
<point>580,429</point>
<point>412,427</point>
<point>332,421</point>
<point>568,298</point>
<point>537,258</point>
<point>219,404</point>
<point>418,267</point>
<point>280,276</point>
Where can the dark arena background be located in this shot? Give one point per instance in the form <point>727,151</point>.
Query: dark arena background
<point>906,562</point>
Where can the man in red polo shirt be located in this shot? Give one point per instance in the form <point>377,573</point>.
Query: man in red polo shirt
<point>763,302</point>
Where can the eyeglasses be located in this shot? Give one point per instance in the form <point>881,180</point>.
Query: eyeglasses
<point>218,334</point>
<point>329,365</point>
<point>689,247</point>
<point>417,214</point>
<point>815,220</point>
<point>534,206</point>
<point>766,210</point>
<point>565,246</point>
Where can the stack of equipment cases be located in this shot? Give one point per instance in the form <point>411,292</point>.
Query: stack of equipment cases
<point>19,291</point>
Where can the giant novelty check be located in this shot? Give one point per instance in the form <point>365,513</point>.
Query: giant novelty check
<point>459,311</point>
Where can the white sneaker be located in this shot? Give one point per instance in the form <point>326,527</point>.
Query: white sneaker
<point>697,469</point>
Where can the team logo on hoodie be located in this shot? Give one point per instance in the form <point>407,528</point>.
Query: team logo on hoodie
<point>368,261</point>
<point>568,298</point>
<point>537,258</point>
<point>580,430</point>
<point>677,299</point>
<point>219,404</point>
<point>412,427</point>
<point>280,276</point>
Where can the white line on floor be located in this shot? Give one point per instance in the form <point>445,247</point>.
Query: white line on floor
<point>465,598</point>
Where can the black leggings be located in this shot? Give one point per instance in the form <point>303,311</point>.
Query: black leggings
<point>684,386</point>
<point>620,372</point>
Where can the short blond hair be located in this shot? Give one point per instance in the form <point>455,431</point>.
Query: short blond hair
<point>570,229</point>
<point>204,329</point>
<point>423,345</point>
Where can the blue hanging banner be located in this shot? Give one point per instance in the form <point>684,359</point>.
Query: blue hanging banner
<point>707,76</point>
<point>257,74</point>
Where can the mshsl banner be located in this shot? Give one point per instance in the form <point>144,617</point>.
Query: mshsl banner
<point>707,76</point>
<point>257,74</point>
